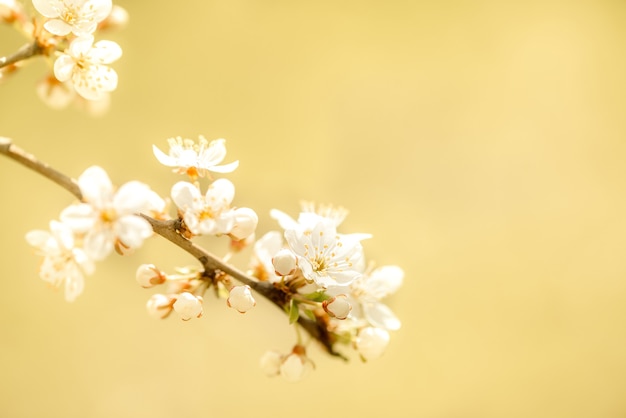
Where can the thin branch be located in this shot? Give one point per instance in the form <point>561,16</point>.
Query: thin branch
<point>14,152</point>
<point>25,52</point>
<point>169,230</point>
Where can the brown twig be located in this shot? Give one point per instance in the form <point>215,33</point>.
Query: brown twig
<point>27,51</point>
<point>170,230</point>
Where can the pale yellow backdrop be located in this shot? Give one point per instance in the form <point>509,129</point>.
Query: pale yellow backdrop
<point>480,142</point>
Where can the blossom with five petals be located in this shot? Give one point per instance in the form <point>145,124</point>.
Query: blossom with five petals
<point>81,17</point>
<point>208,214</point>
<point>84,64</point>
<point>195,160</point>
<point>63,263</point>
<point>109,217</point>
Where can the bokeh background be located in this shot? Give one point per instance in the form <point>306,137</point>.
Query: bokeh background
<point>480,142</point>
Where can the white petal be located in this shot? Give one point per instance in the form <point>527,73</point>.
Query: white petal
<point>132,230</point>
<point>38,238</point>
<point>183,194</point>
<point>74,284</point>
<point>101,10</point>
<point>379,315</point>
<point>48,8</point>
<point>81,45</point>
<point>80,218</point>
<point>105,52</point>
<point>96,186</point>
<point>214,154</point>
<point>57,27</point>
<point>222,192</point>
<point>99,244</point>
<point>163,158</point>
<point>225,168</point>
<point>384,281</point>
<point>64,67</point>
<point>133,197</point>
<point>285,221</point>
<point>63,234</point>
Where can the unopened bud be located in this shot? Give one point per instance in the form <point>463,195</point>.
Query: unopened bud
<point>188,306</point>
<point>241,299</point>
<point>337,307</point>
<point>246,221</point>
<point>372,342</point>
<point>148,275</point>
<point>159,306</point>
<point>54,93</point>
<point>284,262</point>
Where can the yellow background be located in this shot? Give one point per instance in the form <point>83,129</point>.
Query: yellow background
<point>480,142</point>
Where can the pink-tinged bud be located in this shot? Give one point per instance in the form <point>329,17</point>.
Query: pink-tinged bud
<point>337,307</point>
<point>159,306</point>
<point>372,342</point>
<point>148,275</point>
<point>241,299</point>
<point>270,363</point>
<point>188,306</point>
<point>284,262</point>
<point>246,221</point>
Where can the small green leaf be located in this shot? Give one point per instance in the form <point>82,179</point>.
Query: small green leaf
<point>317,296</point>
<point>294,312</point>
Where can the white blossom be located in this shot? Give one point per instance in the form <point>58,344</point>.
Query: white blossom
<point>367,291</point>
<point>208,214</point>
<point>63,264</point>
<point>84,64</point>
<point>188,306</point>
<point>371,342</point>
<point>109,218</point>
<point>324,256</point>
<point>195,160</point>
<point>241,299</point>
<point>55,94</point>
<point>81,17</point>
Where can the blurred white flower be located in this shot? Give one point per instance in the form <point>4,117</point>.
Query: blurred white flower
<point>81,17</point>
<point>109,218</point>
<point>63,263</point>
<point>54,93</point>
<point>83,64</point>
<point>195,160</point>
<point>208,214</point>
<point>371,342</point>
<point>366,292</point>
<point>264,250</point>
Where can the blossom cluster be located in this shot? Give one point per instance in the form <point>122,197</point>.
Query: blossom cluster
<point>329,280</point>
<point>88,231</point>
<point>65,30</point>
<point>320,273</point>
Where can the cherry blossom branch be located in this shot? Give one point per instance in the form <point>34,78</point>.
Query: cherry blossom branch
<point>27,51</point>
<point>170,230</point>
<point>14,152</point>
